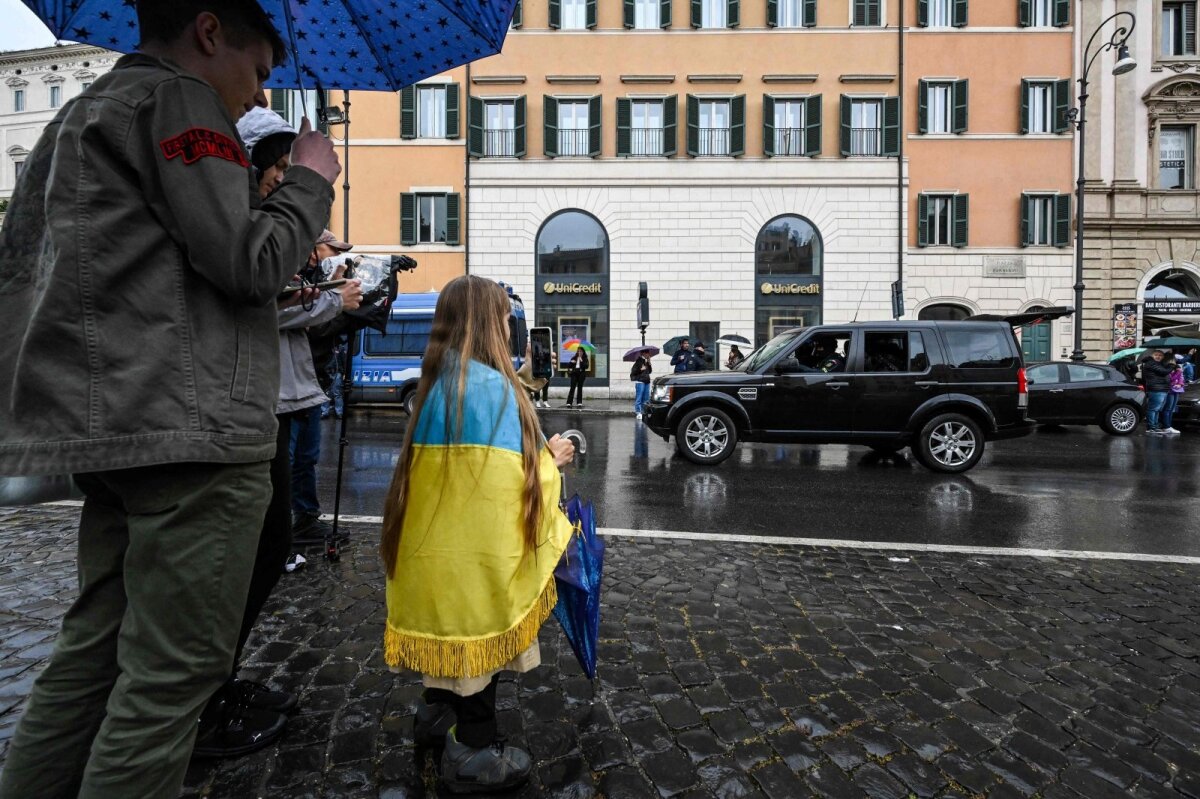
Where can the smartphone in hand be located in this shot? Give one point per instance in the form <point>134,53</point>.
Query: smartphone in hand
<point>541,346</point>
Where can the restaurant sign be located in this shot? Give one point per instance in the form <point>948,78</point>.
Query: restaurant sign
<point>1176,307</point>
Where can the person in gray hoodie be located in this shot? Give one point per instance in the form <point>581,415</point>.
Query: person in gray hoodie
<point>244,715</point>
<point>139,272</point>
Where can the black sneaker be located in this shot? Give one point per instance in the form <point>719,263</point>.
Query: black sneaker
<point>237,730</point>
<point>260,697</point>
<point>488,770</point>
<point>431,724</point>
<point>309,529</point>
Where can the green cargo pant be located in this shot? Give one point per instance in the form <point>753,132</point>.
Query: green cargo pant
<point>165,555</point>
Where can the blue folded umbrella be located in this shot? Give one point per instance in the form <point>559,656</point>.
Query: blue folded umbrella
<point>578,581</point>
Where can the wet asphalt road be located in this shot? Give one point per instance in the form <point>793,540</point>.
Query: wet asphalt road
<point>1066,488</point>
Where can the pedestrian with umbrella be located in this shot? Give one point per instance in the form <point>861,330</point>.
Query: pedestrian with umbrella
<point>735,344</point>
<point>472,533</point>
<point>577,369</point>
<point>682,357</point>
<point>640,375</point>
<point>130,359</point>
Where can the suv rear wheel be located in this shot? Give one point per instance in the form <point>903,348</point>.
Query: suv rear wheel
<point>1120,420</point>
<point>949,443</point>
<point>706,436</point>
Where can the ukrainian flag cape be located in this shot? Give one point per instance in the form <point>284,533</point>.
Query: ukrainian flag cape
<point>465,599</point>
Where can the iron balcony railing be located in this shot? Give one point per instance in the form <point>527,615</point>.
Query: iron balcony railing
<point>712,141</point>
<point>645,141</point>
<point>499,142</point>
<point>572,142</point>
<point>865,141</point>
<point>789,141</point>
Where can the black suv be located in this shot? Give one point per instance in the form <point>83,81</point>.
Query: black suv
<point>943,388</point>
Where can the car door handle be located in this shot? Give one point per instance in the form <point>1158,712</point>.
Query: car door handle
<point>1056,391</point>
<point>925,383</point>
<point>836,386</point>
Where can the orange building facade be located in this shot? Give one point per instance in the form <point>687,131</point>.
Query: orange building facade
<point>760,164</point>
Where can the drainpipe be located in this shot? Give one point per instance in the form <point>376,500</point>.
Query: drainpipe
<point>466,203</point>
<point>901,228</point>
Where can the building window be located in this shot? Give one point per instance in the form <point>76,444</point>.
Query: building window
<point>867,13</point>
<point>646,127</point>
<point>572,127</point>
<point>18,168</point>
<point>713,13</point>
<point>788,251</point>
<point>789,127</point>
<point>18,100</point>
<point>1041,107</point>
<point>938,107</point>
<point>1045,220</point>
<point>1044,105</point>
<point>647,14</point>
<point>572,247</point>
<point>431,112</point>
<point>939,13</point>
<point>1041,14</point>
<point>942,106</point>
<point>1179,27</point>
<point>944,312</point>
<point>942,220</point>
<point>1044,13</point>
<point>1176,146</point>
<point>1041,221</point>
<point>429,218</point>
<point>500,127</point>
<point>714,128</point>
<point>791,14</point>
<point>55,96</point>
<point>83,87</point>
<point>574,15</point>
<point>866,128</point>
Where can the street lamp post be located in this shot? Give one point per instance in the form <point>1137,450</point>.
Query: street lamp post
<point>1125,63</point>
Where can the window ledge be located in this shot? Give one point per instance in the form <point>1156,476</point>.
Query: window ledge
<point>496,80</point>
<point>808,78</point>
<point>714,78</point>
<point>647,79</point>
<point>572,79</point>
<point>866,78</point>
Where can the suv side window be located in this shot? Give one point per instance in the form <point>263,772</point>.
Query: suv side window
<point>895,351</point>
<point>978,348</point>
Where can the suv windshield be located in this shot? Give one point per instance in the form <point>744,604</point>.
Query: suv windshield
<point>767,352</point>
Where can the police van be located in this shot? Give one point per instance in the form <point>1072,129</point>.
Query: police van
<point>386,366</point>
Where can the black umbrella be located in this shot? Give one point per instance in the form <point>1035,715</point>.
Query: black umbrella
<point>672,346</point>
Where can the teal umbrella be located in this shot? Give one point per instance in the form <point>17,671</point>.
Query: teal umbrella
<point>1172,341</point>
<point>1129,353</point>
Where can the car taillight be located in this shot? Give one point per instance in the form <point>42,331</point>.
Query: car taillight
<point>1022,389</point>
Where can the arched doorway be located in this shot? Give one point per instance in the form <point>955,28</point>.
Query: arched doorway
<point>571,273</point>
<point>944,312</point>
<point>1171,301</point>
<point>788,272</point>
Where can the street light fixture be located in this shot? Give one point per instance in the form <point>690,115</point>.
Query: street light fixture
<point>1125,63</point>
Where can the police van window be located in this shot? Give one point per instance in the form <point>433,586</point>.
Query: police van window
<point>885,352</point>
<point>403,337</point>
<point>979,349</point>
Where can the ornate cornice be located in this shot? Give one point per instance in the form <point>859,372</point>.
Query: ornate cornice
<point>1172,99</point>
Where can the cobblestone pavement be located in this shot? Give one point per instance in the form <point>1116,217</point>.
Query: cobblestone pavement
<point>732,670</point>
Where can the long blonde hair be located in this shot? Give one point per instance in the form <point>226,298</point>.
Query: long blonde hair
<point>470,323</point>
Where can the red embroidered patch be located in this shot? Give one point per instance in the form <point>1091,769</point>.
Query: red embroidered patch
<point>196,143</point>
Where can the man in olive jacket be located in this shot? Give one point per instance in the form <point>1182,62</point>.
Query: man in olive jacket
<point>138,283</point>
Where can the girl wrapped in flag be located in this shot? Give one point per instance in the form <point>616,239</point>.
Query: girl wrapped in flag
<point>472,533</point>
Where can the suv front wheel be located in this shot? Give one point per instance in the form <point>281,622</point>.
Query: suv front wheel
<point>706,436</point>
<point>949,443</point>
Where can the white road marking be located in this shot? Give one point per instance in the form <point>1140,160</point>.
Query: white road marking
<point>837,543</point>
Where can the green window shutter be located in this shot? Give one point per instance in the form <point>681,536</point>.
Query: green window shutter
<point>891,126</point>
<point>595,126</point>
<point>772,13</point>
<point>279,101</point>
<point>451,110</point>
<point>628,10</point>
<point>475,122</point>
<point>555,14</point>
<point>408,112</point>
<point>549,126</point>
<point>922,13</point>
<point>1062,13</point>
<point>697,13</point>
<point>452,218</point>
<point>922,220</point>
<point>1024,13</point>
<point>812,125</point>
<point>1026,212</point>
<point>519,127</point>
<point>408,219</point>
<point>959,14</point>
<point>737,125</point>
<point>624,122</point>
<point>958,236</point>
<point>693,126</point>
<point>516,17</point>
<point>845,129</point>
<point>664,13</point>
<point>960,106</point>
<point>922,106</point>
<point>670,133</point>
<point>732,13</point>
<point>1062,220</point>
<point>768,125</point>
<point>1062,101</point>
<point>810,14</point>
<point>591,13</point>
<point>1025,105</point>
<point>860,13</point>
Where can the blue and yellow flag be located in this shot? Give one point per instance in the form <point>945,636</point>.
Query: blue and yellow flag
<point>465,599</point>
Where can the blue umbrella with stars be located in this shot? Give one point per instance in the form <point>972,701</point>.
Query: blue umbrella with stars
<point>381,45</point>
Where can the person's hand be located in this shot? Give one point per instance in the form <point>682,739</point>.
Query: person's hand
<point>563,450</point>
<point>352,295</point>
<point>338,273</point>
<point>316,152</point>
<point>304,296</point>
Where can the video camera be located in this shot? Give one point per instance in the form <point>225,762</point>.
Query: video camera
<point>391,264</point>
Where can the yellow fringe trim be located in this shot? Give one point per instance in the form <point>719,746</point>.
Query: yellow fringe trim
<point>440,657</point>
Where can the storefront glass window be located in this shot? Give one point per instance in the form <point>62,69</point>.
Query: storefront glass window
<point>572,286</point>
<point>787,267</point>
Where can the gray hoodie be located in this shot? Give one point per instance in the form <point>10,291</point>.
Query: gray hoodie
<point>298,385</point>
<point>138,275</point>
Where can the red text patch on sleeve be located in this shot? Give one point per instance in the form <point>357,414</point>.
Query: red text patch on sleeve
<point>196,143</point>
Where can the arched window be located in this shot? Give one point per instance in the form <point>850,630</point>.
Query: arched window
<point>572,243</point>
<point>788,245</point>
<point>572,286</point>
<point>944,312</point>
<point>1172,284</point>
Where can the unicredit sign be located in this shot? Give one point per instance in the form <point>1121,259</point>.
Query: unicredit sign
<point>550,287</point>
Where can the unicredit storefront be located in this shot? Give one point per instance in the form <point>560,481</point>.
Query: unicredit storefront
<point>788,288</point>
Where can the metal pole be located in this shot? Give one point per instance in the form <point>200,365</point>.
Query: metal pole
<point>331,545</point>
<point>901,228</point>
<point>1080,122</point>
